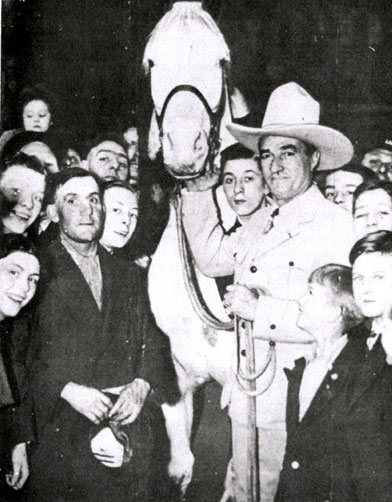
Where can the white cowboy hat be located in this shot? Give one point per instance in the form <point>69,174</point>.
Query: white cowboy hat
<point>292,112</point>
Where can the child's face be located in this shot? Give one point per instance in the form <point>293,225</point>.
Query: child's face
<point>372,284</point>
<point>36,116</point>
<point>316,310</point>
<point>372,212</point>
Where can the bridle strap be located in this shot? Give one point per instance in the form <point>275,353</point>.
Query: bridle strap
<point>215,117</point>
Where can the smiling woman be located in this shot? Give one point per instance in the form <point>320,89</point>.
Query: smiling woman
<point>22,182</point>
<point>19,275</point>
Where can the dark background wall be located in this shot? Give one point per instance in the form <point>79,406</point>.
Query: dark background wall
<point>88,52</point>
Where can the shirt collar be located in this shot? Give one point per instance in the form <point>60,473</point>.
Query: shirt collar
<point>67,243</point>
<point>302,207</point>
<point>333,351</point>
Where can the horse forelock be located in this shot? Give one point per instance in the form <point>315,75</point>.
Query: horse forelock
<point>182,33</point>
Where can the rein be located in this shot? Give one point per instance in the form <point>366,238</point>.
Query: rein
<point>190,279</point>
<point>207,317</point>
<point>215,117</point>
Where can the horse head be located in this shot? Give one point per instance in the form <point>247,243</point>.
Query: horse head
<point>188,62</point>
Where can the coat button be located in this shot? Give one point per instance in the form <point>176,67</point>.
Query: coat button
<point>243,352</point>
<point>272,326</point>
<point>253,269</point>
<point>243,324</point>
<point>291,263</point>
<point>295,465</point>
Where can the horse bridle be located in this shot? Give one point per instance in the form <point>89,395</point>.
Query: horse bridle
<point>215,117</point>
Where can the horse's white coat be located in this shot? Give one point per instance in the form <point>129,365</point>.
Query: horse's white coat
<point>187,47</point>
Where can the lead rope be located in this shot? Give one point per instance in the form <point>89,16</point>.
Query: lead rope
<point>189,276</point>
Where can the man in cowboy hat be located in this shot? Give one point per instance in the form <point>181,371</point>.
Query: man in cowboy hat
<point>296,231</point>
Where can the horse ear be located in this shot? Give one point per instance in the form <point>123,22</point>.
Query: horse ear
<point>154,142</point>
<point>239,106</point>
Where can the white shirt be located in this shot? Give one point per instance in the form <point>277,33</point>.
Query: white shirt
<point>315,372</point>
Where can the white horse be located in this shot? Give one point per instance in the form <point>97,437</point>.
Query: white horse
<point>188,61</point>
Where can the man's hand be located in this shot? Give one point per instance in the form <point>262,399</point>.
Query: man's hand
<point>241,301</point>
<point>209,180</point>
<point>107,449</point>
<point>20,467</point>
<point>88,401</point>
<point>130,402</point>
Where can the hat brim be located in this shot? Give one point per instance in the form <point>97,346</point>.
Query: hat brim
<point>335,148</point>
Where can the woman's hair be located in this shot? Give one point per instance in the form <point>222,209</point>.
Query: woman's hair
<point>10,243</point>
<point>36,92</point>
<point>338,280</point>
<point>370,185</point>
<point>375,242</point>
<point>15,144</point>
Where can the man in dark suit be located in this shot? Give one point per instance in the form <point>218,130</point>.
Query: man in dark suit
<point>97,360</point>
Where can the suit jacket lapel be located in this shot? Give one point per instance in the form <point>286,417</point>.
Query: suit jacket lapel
<point>75,288</point>
<point>294,378</point>
<point>371,368</point>
<point>334,381</point>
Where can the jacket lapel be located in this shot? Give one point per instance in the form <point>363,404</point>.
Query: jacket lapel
<point>334,381</point>
<point>113,307</point>
<point>373,364</point>
<point>76,292</point>
<point>296,214</point>
<point>294,378</point>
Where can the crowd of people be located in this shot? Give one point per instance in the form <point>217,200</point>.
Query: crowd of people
<point>84,370</point>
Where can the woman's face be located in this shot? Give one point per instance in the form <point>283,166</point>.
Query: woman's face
<point>243,186</point>
<point>36,116</point>
<point>43,153</point>
<point>372,212</point>
<point>121,217</point>
<point>19,275</point>
<point>26,187</point>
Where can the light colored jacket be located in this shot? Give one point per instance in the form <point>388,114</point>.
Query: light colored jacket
<point>308,232</point>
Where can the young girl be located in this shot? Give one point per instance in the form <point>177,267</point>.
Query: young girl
<point>316,465</point>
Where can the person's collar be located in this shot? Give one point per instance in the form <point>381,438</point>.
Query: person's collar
<point>329,354</point>
<point>302,207</point>
<point>70,247</point>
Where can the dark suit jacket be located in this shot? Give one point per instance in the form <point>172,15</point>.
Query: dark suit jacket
<point>76,342</point>
<point>341,450</point>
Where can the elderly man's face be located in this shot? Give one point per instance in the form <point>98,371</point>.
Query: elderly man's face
<point>340,186</point>
<point>108,161</point>
<point>78,209</point>
<point>286,167</point>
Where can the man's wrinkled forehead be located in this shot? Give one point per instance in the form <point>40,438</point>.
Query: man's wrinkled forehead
<point>83,186</point>
<point>280,142</point>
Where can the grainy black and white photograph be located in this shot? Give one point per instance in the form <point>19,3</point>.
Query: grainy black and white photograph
<point>196,251</point>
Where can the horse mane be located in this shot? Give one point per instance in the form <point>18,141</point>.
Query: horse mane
<point>184,29</point>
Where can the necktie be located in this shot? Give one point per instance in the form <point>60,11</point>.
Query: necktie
<point>270,223</point>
